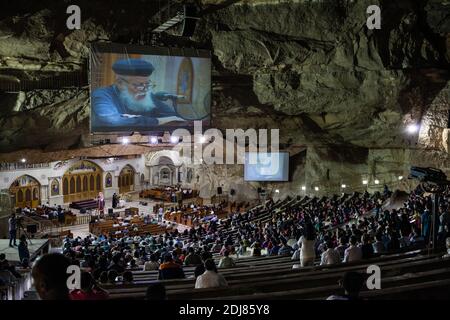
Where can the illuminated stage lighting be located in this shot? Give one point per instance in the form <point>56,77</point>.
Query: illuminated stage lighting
<point>412,128</point>
<point>153,140</point>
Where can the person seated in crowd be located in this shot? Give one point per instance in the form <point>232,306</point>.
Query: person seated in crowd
<point>116,264</point>
<point>169,269</point>
<point>330,255</point>
<point>156,292</point>
<point>273,248</point>
<point>89,290</point>
<point>447,243</point>
<point>366,247</point>
<point>378,245</point>
<point>285,249</point>
<point>296,255</point>
<point>353,252</point>
<point>210,278</point>
<point>352,283</point>
<point>153,264</point>
<point>226,261</point>
<point>112,276</point>
<point>415,236</point>
<point>216,247</point>
<point>256,249</point>
<point>50,277</point>
<point>192,259</point>
<point>103,278</point>
<point>342,247</point>
<point>127,277</point>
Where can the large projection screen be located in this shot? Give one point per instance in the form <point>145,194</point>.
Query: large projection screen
<point>148,89</point>
<point>266,166</point>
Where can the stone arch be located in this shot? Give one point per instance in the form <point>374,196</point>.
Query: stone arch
<point>126,179</point>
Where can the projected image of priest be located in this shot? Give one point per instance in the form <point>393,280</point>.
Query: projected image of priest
<point>129,102</point>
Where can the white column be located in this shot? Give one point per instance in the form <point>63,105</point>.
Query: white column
<point>44,193</point>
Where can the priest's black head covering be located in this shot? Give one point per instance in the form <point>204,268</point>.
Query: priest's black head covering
<point>133,67</point>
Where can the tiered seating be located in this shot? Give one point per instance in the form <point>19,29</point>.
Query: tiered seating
<point>404,273</point>
<point>274,278</point>
<point>84,204</point>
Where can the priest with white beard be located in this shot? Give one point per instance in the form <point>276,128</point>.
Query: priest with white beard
<point>129,102</point>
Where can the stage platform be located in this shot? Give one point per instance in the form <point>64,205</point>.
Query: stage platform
<point>12,253</point>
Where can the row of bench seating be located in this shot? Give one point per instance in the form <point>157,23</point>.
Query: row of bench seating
<point>410,270</point>
<point>108,227</point>
<point>274,278</point>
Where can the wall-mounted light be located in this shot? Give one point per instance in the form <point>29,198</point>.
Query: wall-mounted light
<point>365,182</point>
<point>377,181</point>
<point>303,188</point>
<point>412,128</point>
<point>153,140</point>
<point>316,188</point>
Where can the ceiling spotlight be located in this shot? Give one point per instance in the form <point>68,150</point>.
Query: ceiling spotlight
<point>153,140</point>
<point>343,186</point>
<point>125,140</point>
<point>303,188</point>
<point>365,182</point>
<point>316,188</point>
<point>173,139</point>
<point>412,128</point>
<point>23,160</point>
<point>400,177</point>
<point>377,181</point>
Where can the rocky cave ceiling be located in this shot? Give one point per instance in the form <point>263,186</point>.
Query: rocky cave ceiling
<point>310,68</point>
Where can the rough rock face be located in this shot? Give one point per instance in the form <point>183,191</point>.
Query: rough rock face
<point>310,68</point>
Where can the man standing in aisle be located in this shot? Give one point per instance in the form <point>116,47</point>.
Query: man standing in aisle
<point>12,222</point>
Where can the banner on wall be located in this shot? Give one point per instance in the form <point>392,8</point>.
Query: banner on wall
<point>148,89</point>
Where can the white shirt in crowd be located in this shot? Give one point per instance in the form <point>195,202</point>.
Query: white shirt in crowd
<point>210,279</point>
<point>331,256</point>
<point>352,253</point>
<point>307,250</point>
